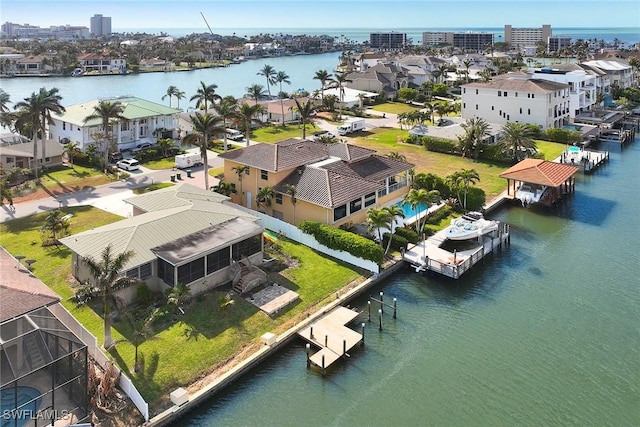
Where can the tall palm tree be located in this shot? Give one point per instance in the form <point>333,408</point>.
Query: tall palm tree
<point>71,149</point>
<point>419,200</point>
<point>106,111</point>
<point>394,212</point>
<point>206,96</point>
<point>224,188</point>
<point>467,64</point>
<point>324,77</point>
<point>304,110</point>
<point>269,73</point>
<point>256,92</point>
<point>241,171</point>
<point>377,219</point>
<point>204,126</point>
<point>462,180</point>
<point>248,115</point>
<point>339,82</point>
<point>228,110</point>
<point>476,130</point>
<point>5,116</point>
<point>443,69</point>
<point>179,94</point>
<point>516,138</point>
<point>171,91</point>
<point>281,77</point>
<point>292,190</point>
<point>107,279</point>
<point>37,111</point>
<point>264,196</point>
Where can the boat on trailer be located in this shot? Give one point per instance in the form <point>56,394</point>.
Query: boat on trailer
<point>469,226</point>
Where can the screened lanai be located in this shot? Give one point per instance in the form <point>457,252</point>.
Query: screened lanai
<point>43,371</point>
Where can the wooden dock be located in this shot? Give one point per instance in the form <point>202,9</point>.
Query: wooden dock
<point>331,335</point>
<point>429,256</point>
<point>588,161</point>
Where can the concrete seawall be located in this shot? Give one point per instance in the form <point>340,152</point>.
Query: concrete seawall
<point>208,391</point>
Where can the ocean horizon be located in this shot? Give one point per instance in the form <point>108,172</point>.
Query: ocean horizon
<point>626,35</point>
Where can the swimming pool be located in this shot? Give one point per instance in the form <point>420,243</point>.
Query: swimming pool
<point>409,211</point>
<point>28,402</point>
<point>574,149</point>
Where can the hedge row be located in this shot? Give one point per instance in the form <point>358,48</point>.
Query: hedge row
<point>397,242</point>
<point>335,238</point>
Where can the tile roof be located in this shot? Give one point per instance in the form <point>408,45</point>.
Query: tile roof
<point>134,108</point>
<point>283,155</point>
<point>541,172</point>
<point>521,82</point>
<point>21,291</point>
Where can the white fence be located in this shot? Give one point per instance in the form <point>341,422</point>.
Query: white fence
<point>294,233</point>
<point>94,351</point>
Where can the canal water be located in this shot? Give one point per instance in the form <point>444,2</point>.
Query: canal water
<point>544,333</point>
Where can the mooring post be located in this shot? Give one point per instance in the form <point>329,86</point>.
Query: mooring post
<point>381,301</point>
<point>308,346</point>
<point>311,332</point>
<point>323,365</point>
<point>362,333</point>
<point>395,307</point>
<point>380,318</point>
<point>326,340</point>
<point>344,346</point>
<point>369,304</point>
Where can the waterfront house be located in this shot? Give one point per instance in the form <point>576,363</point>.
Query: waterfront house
<point>517,97</point>
<point>335,184</point>
<point>102,63</point>
<point>40,358</point>
<point>38,64</point>
<point>178,235</point>
<point>144,121</point>
<point>385,78</point>
<point>156,64</point>
<point>366,60</point>
<point>17,151</point>
<point>619,71</point>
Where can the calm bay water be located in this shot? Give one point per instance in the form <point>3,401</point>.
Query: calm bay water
<point>545,333</point>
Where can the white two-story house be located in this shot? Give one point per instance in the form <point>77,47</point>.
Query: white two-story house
<point>144,121</point>
<point>102,63</point>
<point>618,70</point>
<point>582,85</point>
<point>517,97</point>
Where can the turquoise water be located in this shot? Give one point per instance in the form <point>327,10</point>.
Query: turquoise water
<point>544,333</point>
<point>409,211</point>
<point>26,408</point>
<point>572,127</point>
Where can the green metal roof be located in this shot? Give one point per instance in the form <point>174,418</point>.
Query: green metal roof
<point>134,108</point>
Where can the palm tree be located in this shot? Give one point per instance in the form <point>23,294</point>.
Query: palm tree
<point>324,77</point>
<point>443,69</point>
<point>419,199</point>
<point>304,111</point>
<point>141,331</point>
<point>269,73</point>
<point>228,110</point>
<point>178,296</point>
<point>281,77</point>
<point>171,91</point>
<point>179,94</point>
<point>106,280</point>
<point>248,115</point>
<point>35,113</point>
<point>291,190</point>
<point>516,138</point>
<point>224,302</point>
<point>256,92</point>
<point>476,130</point>
<point>462,180</point>
<point>264,196</point>
<point>204,126</point>
<point>397,156</point>
<point>241,171</point>
<point>5,116</point>
<point>377,219</point>
<point>224,188</point>
<point>205,96</point>
<point>164,144</point>
<point>467,64</point>
<point>106,111</point>
<point>394,211</point>
<point>70,149</point>
<point>340,79</point>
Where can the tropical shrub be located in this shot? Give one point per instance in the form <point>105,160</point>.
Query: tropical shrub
<point>439,145</point>
<point>476,199</point>
<point>408,234</point>
<point>335,238</point>
<point>397,242</point>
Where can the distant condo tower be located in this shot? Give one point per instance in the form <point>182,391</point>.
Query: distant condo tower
<point>100,25</point>
<point>526,38</point>
<point>388,41</point>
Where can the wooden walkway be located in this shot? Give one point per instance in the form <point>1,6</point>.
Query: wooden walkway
<point>332,336</point>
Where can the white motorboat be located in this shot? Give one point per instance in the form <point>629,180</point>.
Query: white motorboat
<point>469,226</point>
<point>530,193</point>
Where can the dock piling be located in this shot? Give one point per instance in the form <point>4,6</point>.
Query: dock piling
<point>362,333</point>
<point>382,301</point>
<point>395,307</point>
<point>308,346</point>
<point>380,318</point>
<point>369,304</point>
<point>311,332</point>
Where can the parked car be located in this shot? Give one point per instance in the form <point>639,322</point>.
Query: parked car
<point>142,146</point>
<point>115,157</point>
<point>129,164</point>
<point>317,136</point>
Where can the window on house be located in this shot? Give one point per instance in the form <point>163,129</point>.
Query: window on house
<point>64,125</point>
<point>247,247</point>
<point>492,108</point>
<point>476,106</point>
<point>529,111</point>
<point>145,270</point>
<point>279,198</point>
<point>516,94</point>
<point>165,272</point>
<point>233,186</point>
<point>47,159</point>
<point>505,94</point>
<point>476,91</point>
<point>369,199</point>
<point>264,174</point>
<point>355,206</point>
<point>218,260</point>
<point>9,159</point>
<point>124,126</point>
<point>464,90</point>
<point>533,95</point>
<point>464,105</point>
<point>192,271</point>
<point>520,110</point>
<point>499,93</point>
<point>132,274</point>
<point>339,212</point>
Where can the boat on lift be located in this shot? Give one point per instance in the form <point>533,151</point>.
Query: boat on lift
<point>530,193</point>
<point>469,226</point>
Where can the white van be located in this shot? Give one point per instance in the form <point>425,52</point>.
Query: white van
<point>234,135</point>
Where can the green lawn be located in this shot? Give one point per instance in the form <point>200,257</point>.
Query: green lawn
<point>152,187</point>
<point>277,133</point>
<point>161,164</point>
<point>551,150</point>
<point>395,107</point>
<point>67,179</point>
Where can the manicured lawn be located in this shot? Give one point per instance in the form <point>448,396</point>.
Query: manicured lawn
<point>277,133</point>
<point>394,107</point>
<point>385,140</point>
<point>216,171</point>
<point>551,150</point>
<point>152,187</point>
<point>67,179</point>
<point>161,164</point>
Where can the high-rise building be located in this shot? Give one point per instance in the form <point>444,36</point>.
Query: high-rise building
<point>433,38</point>
<point>392,41</point>
<point>472,41</point>
<point>100,25</point>
<point>522,38</point>
<point>557,43</point>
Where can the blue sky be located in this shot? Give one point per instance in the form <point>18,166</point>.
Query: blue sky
<point>320,14</point>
